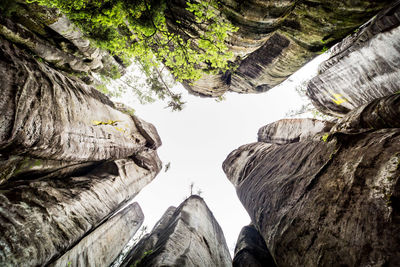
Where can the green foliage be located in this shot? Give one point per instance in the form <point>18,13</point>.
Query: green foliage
<point>138,28</point>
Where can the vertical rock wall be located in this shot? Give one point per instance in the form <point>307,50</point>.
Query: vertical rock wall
<point>327,201</point>
<point>69,160</point>
<point>104,244</point>
<point>363,67</point>
<point>185,236</point>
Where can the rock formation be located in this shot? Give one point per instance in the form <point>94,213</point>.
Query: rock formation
<point>69,160</point>
<point>53,38</point>
<point>103,245</point>
<point>251,250</point>
<point>276,38</point>
<point>362,67</point>
<point>327,201</point>
<point>185,236</point>
<point>292,130</point>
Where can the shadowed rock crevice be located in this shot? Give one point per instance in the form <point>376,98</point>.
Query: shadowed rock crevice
<point>251,250</point>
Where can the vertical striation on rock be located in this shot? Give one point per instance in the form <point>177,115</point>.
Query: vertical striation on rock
<point>362,67</point>
<point>251,250</point>
<point>185,236</point>
<point>101,246</point>
<point>327,203</point>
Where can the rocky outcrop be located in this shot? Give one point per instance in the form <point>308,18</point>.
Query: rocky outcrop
<point>287,131</point>
<point>103,245</point>
<point>69,160</point>
<point>328,202</point>
<point>362,67</point>
<point>276,38</point>
<point>49,35</point>
<point>251,250</point>
<point>185,236</point>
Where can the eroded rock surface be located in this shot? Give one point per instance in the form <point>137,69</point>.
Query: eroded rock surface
<point>103,245</point>
<point>363,67</point>
<point>251,250</point>
<point>69,160</point>
<point>327,203</point>
<point>276,38</point>
<point>185,236</point>
<point>287,131</point>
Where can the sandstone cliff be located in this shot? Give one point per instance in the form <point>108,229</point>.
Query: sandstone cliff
<point>331,200</point>
<point>362,67</point>
<point>185,236</point>
<point>276,38</point>
<point>69,160</point>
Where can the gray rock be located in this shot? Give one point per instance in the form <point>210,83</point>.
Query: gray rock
<point>363,67</point>
<point>101,246</point>
<point>251,250</point>
<point>287,131</point>
<point>185,236</point>
<point>326,203</point>
<point>276,38</point>
<point>43,218</point>
<point>49,116</point>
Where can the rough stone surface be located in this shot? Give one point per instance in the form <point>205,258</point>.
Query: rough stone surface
<point>43,116</point>
<point>326,203</point>
<point>287,131</point>
<point>51,36</point>
<point>251,250</point>
<point>41,219</point>
<point>276,38</point>
<point>69,159</point>
<point>185,236</point>
<point>102,246</point>
<point>363,67</point>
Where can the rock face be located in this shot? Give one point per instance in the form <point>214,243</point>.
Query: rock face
<point>251,250</point>
<point>327,203</point>
<point>102,246</point>
<point>362,67</point>
<point>185,236</point>
<point>287,131</point>
<point>69,160</point>
<point>53,38</point>
<point>276,38</point>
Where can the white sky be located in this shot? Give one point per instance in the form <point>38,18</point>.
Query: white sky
<point>198,139</point>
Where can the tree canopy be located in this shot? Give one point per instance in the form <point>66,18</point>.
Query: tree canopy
<point>188,45</point>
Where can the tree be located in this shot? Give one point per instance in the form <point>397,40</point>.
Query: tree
<point>188,45</point>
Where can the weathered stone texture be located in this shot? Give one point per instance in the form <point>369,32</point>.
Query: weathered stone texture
<point>185,236</point>
<point>41,219</point>
<point>363,67</point>
<point>330,203</point>
<point>103,245</point>
<point>48,116</point>
<point>69,160</point>
<point>276,38</point>
<point>251,250</point>
<point>287,131</point>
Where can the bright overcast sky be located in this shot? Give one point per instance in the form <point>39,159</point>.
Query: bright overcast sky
<point>198,139</point>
